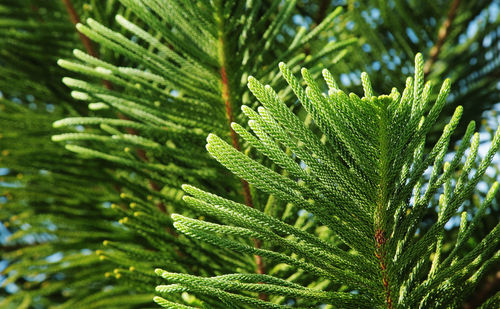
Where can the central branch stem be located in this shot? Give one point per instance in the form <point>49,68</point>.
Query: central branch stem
<point>227,98</point>
<point>381,203</point>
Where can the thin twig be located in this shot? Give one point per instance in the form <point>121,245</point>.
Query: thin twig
<point>442,35</point>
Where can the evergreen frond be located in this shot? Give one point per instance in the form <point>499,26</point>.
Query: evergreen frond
<point>113,111</point>
<point>375,217</point>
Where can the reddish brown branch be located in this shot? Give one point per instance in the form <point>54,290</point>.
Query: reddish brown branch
<point>75,19</point>
<point>442,34</point>
<point>155,187</point>
<point>234,138</point>
<point>380,241</point>
<point>244,184</point>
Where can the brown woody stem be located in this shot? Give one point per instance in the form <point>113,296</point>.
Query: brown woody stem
<point>234,138</point>
<point>380,241</point>
<point>442,34</point>
<point>75,19</point>
<point>226,97</point>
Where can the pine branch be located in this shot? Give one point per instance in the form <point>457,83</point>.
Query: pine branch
<point>229,114</point>
<point>75,19</point>
<point>198,77</point>
<point>387,132</point>
<point>442,35</point>
<point>226,97</point>
<point>341,195</point>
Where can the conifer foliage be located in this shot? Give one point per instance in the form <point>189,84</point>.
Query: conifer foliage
<point>189,166</point>
<point>358,182</point>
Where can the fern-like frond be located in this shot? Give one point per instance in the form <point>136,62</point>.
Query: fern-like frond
<point>370,181</point>
<point>168,73</point>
